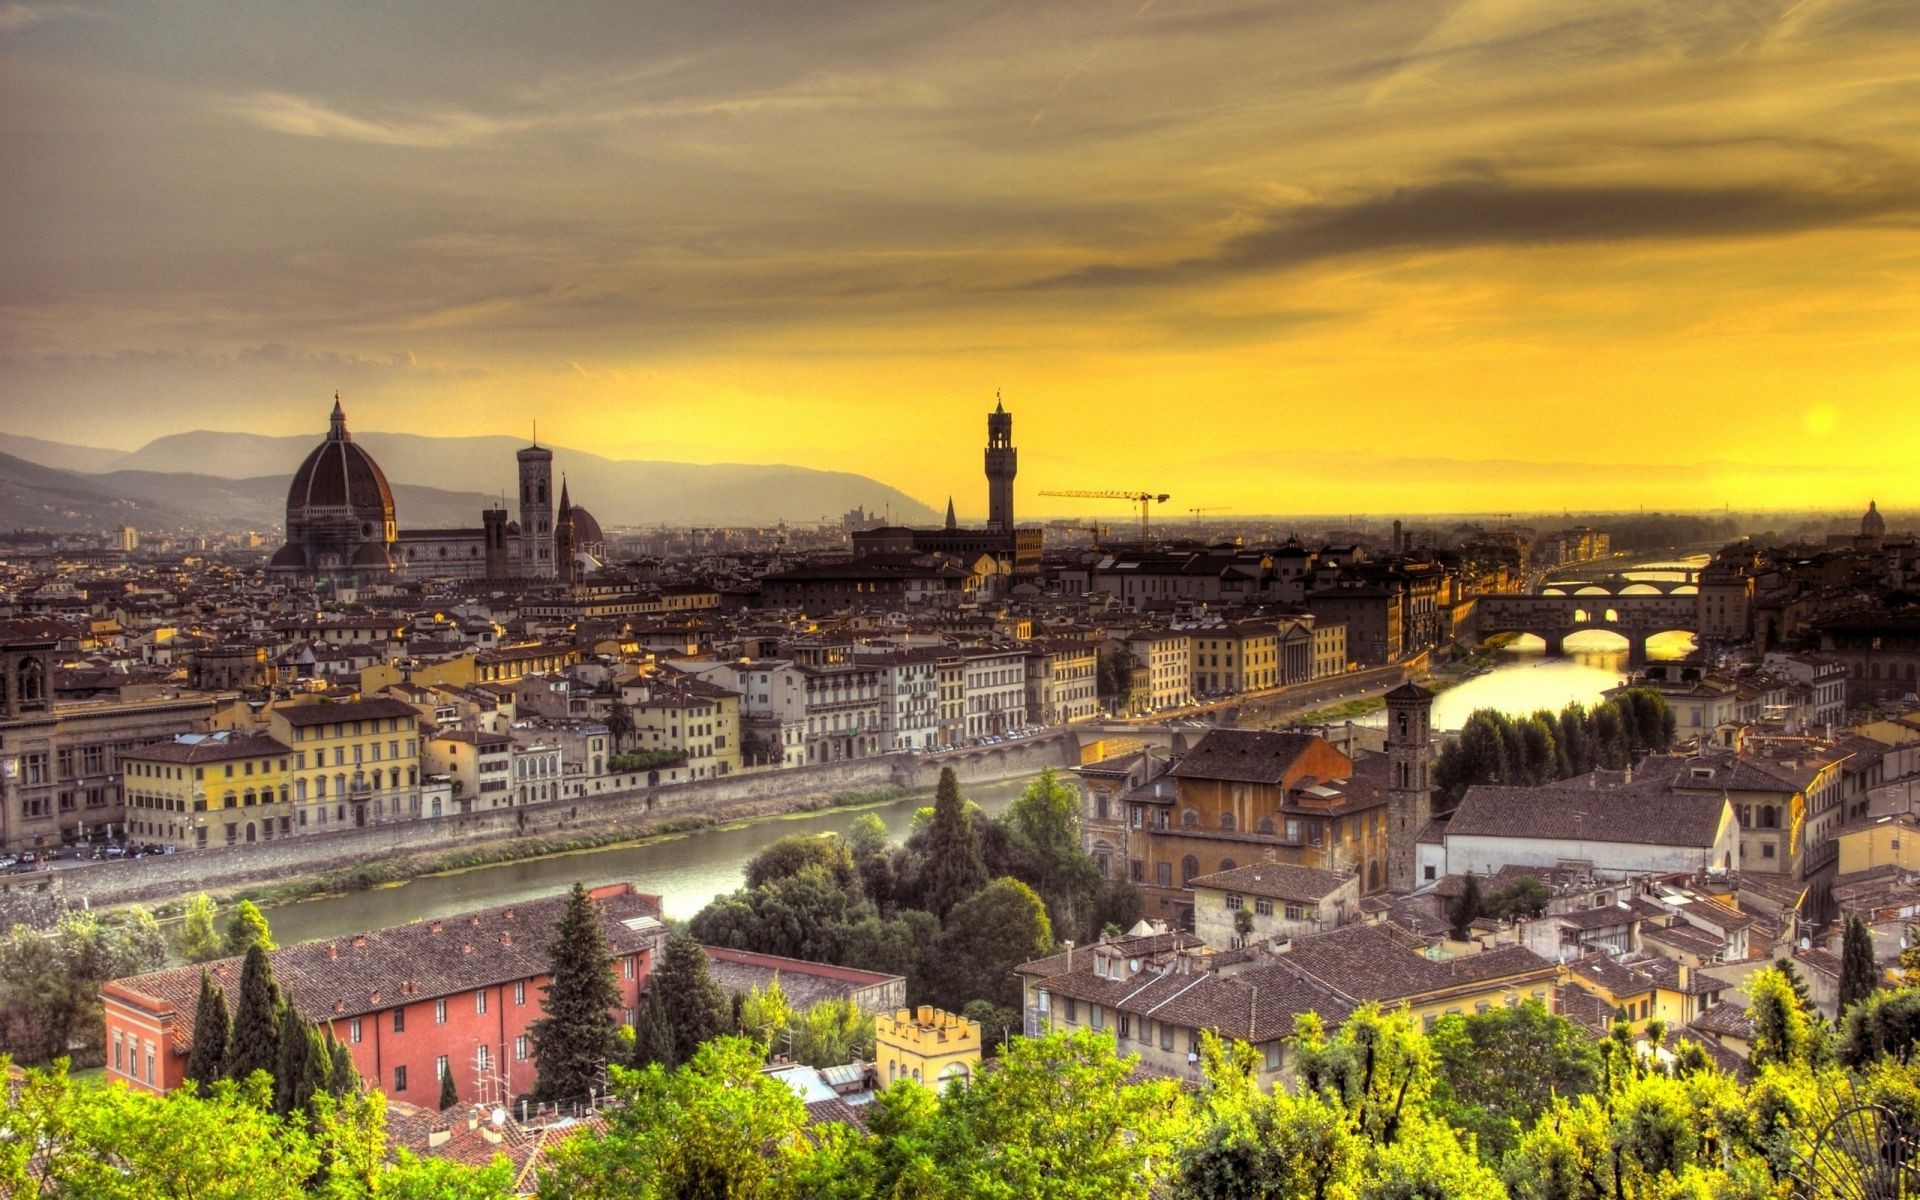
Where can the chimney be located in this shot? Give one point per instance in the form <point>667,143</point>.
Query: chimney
<point>438,1137</point>
<point>359,942</point>
<point>333,951</point>
<point>1069,946</point>
<point>506,937</point>
<point>474,920</point>
<point>507,915</point>
<point>466,949</point>
<point>433,927</point>
<point>373,997</point>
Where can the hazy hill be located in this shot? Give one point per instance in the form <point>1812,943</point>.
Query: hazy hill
<point>618,492</point>
<point>62,455</point>
<point>37,497</point>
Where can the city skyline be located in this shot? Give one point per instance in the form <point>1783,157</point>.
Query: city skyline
<point>1266,259</point>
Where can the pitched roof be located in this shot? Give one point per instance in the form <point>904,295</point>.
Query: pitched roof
<point>1628,814</point>
<point>1245,755</point>
<point>1281,881</point>
<point>403,964</point>
<point>353,710</point>
<point>1385,962</point>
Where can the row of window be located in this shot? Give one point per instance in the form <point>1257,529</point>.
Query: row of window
<point>312,733</point>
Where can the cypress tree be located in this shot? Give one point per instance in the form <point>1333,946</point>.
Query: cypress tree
<point>1465,909</point>
<point>255,1042</point>
<point>1859,971</point>
<point>290,1063</point>
<point>574,1040</point>
<point>696,1007</point>
<point>449,1094</point>
<point>342,1078</point>
<point>207,1060</point>
<point>955,869</point>
<point>653,1033</point>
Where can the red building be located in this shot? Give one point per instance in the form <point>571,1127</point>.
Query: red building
<point>409,1002</point>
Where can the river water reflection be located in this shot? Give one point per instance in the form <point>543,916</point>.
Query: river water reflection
<point>686,871</point>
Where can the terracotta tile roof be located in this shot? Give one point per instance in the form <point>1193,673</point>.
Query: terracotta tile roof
<point>206,748</point>
<point>1281,881</point>
<point>1630,815</point>
<point>1245,755</point>
<point>402,964</point>
<point>1387,962</point>
<point>353,710</point>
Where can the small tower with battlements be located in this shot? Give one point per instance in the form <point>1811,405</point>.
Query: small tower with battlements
<point>1409,781</point>
<point>1003,463</point>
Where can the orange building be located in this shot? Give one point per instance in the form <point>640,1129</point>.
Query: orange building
<point>410,1002</point>
<point>1251,796</point>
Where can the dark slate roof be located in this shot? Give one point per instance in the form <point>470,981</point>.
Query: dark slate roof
<point>804,983</point>
<point>1408,691</point>
<point>1631,815</point>
<point>1244,755</point>
<point>1281,881</point>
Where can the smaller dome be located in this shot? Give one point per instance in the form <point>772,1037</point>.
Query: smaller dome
<point>1873,524</point>
<point>373,554</point>
<point>288,555</point>
<point>513,527</point>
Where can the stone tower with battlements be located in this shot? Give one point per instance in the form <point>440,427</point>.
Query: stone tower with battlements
<point>1002,465</point>
<point>1409,781</point>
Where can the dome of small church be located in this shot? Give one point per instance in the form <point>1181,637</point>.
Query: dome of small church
<point>1873,524</point>
<point>586,530</point>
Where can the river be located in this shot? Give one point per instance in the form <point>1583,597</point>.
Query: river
<point>685,871</point>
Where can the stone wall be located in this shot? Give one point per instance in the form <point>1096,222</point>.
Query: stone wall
<point>635,811</point>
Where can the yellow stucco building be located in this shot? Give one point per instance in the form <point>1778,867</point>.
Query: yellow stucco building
<point>212,789</point>
<point>927,1045</point>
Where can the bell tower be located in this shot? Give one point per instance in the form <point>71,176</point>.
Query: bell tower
<point>1002,465</point>
<point>536,512</point>
<point>1409,781</point>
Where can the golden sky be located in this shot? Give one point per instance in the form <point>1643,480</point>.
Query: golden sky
<point>1372,255</point>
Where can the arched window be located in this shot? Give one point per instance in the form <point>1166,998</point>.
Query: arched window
<point>1266,825</point>
<point>1227,864</point>
<point>1226,820</point>
<point>320,786</point>
<point>1189,867</point>
<point>1190,819</point>
<point>1769,817</point>
<point>300,790</point>
<point>246,797</point>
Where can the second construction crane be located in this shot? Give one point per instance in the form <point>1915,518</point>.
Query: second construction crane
<point>1146,501</point>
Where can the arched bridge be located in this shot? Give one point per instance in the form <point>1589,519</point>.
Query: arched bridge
<point>1552,618</point>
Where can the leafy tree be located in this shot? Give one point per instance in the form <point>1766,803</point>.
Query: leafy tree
<point>1042,829</point>
<point>1465,908</point>
<point>619,723</point>
<point>1576,738</point>
<point>1610,737</point>
<point>1264,1146</point>
<point>247,927</point>
<point>255,1042</point>
<point>796,916</point>
<point>343,1079</point>
<point>989,934</point>
<point>715,1129</point>
<point>696,1006</point>
<point>1499,1070</point>
<point>872,860</point>
<point>290,1064</point>
<point>573,1039</point>
<point>449,1092</point>
<point>764,1013</point>
<point>954,866</point>
<point>798,854</point>
<point>996,1023</point>
<point>901,946</point>
<point>831,1032</point>
<point>1885,1025</point>
<point>207,1059</point>
<point>1910,957</point>
<point>1526,896</point>
<point>1537,744</point>
<point>1057,1120</point>
<point>1377,1068</point>
<point>1783,1031</point>
<point>1859,970</point>
<point>653,1033</point>
<point>200,939</point>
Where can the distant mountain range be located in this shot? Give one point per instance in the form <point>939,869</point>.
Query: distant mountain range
<point>239,481</point>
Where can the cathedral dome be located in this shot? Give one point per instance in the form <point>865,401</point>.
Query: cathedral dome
<point>586,530</point>
<point>340,474</point>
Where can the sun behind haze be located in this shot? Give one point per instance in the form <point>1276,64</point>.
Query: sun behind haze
<point>1377,255</point>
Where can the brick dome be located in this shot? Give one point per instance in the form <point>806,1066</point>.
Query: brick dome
<point>340,474</point>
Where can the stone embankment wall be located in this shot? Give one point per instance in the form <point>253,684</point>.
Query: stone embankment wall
<point>635,810</point>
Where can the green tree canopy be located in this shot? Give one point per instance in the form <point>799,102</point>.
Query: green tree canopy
<point>255,1042</point>
<point>247,927</point>
<point>987,935</point>
<point>696,1007</point>
<point>200,939</point>
<point>955,869</point>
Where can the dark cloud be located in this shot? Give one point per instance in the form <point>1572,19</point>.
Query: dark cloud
<point>1488,212</point>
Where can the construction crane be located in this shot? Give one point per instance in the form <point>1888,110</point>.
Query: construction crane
<point>1146,501</point>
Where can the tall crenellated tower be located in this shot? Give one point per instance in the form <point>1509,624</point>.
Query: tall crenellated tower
<point>536,512</point>
<point>1002,465</point>
<point>493,523</point>
<point>1409,782</point>
<point>563,536</point>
